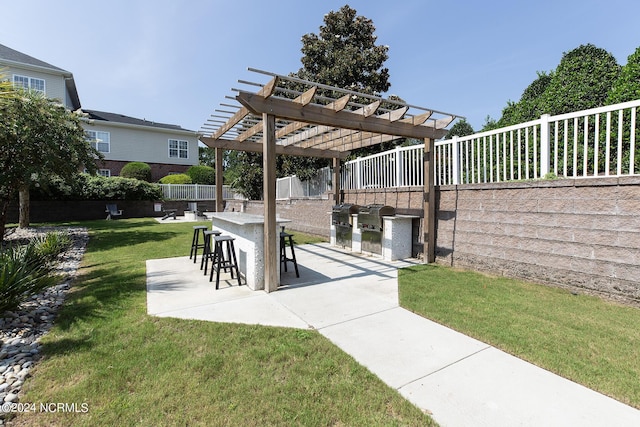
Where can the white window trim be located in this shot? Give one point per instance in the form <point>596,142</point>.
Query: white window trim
<point>104,172</point>
<point>93,139</point>
<point>179,150</point>
<point>30,84</point>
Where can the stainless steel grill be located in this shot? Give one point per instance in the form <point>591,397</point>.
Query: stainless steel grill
<point>341,218</point>
<point>371,226</point>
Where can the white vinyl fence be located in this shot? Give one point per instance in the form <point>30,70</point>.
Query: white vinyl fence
<point>195,192</point>
<point>599,142</point>
<point>291,187</point>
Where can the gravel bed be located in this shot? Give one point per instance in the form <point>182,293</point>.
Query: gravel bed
<point>21,330</point>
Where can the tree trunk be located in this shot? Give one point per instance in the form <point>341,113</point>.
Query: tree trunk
<point>23,195</point>
<point>4,206</point>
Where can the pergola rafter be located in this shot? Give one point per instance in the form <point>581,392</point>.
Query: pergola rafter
<point>291,116</point>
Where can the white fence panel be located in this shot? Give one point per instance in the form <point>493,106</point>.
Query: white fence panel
<point>194,192</point>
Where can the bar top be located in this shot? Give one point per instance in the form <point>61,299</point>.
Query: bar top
<point>242,218</point>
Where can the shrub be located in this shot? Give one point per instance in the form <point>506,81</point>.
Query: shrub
<point>200,174</point>
<point>95,187</point>
<point>137,170</point>
<point>26,270</point>
<point>178,178</point>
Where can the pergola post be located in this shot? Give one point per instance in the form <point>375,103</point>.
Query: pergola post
<point>429,221</point>
<point>336,181</point>
<point>219,180</point>
<point>271,257</point>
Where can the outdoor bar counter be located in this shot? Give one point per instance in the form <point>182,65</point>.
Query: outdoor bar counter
<point>248,231</point>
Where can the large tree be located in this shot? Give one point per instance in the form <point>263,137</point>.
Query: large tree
<point>345,54</point>
<point>38,137</point>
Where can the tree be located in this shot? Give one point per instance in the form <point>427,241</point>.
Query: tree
<point>38,137</point>
<point>344,54</point>
<point>207,156</point>
<point>627,86</point>
<point>582,81</point>
<point>530,106</point>
<point>460,128</point>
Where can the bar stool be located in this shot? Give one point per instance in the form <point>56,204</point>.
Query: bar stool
<point>220,263</point>
<point>283,251</point>
<point>195,241</point>
<point>208,253</point>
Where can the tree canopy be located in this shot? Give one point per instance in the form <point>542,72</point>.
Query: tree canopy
<point>38,137</point>
<point>585,78</point>
<point>344,54</point>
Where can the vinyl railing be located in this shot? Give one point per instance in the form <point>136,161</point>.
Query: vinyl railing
<point>195,192</point>
<point>291,186</point>
<point>592,143</point>
<point>597,142</point>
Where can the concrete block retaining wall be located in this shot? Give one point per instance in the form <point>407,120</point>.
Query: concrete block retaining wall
<point>579,233</point>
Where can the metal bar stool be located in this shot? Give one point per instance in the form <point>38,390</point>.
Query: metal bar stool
<point>220,263</point>
<point>208,253</point>
<point>283,251</point>
<point>195,241</point>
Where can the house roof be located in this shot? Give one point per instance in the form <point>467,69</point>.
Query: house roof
<point>121,118</point>
<point>13,55</point>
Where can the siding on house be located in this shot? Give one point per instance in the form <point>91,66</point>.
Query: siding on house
<point>131,139</point>
<point>140,140</point>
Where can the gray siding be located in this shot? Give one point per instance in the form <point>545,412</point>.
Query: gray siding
<point>150,145</point>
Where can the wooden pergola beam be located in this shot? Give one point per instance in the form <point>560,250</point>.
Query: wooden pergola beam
<point>266,91</point>
<point>257,147</point>
<point>321,115</point>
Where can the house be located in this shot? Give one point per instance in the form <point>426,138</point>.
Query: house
<point>121,139</point>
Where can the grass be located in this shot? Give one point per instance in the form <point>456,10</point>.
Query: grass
<point>583,338</point>
<point>133,369</point>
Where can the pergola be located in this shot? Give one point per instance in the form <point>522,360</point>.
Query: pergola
<point>301,118</point>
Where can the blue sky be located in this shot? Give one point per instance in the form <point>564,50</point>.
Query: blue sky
<point>175,62</point>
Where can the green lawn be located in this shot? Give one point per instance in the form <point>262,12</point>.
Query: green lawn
<point>586,339</point>
<point>131,369</point>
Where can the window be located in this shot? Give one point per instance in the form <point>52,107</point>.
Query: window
<point>104,172</point>
<point>178,149</point>
<point>29,83</point>
<point>99,140</point>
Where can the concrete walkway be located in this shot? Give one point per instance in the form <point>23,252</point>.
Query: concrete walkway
<point>353,301</point>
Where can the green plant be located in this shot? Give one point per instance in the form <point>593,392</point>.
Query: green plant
<point>137,170</point>
<point>24,271</point>
<point>51,245</point>
<point>199,174</point>
<point>177,178</point>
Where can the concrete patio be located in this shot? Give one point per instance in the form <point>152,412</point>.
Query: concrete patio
<point>353,301</point>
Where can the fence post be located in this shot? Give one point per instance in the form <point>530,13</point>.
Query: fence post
<point>358,180</point>
<point>398,164</point>
<point>455,160</point>
<point>545,145</point>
